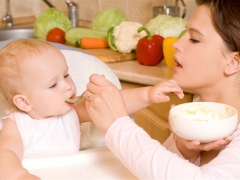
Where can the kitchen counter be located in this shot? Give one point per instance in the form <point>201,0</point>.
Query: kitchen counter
<point>98,163</point>
<point>127,68</point>
<point>132,71</point>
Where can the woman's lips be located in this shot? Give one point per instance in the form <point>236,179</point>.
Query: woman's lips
<point>176,60</point>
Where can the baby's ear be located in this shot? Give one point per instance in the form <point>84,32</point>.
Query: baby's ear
<point>22,103</point>
<point>233,65</point>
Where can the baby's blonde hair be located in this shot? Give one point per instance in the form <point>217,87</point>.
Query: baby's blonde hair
<point>12,59</point>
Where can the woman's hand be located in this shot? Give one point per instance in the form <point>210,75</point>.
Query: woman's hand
<point>105,104</point>
<point>190,149</point>
<point>158,93</point>
<point>214,145</point>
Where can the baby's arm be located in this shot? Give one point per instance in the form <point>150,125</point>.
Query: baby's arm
<point>138,98</point>
<point>11,153</point>
<point>81,110</point>
<point>135,99</point>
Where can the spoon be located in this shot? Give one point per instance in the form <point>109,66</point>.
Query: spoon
<point>76,99</point>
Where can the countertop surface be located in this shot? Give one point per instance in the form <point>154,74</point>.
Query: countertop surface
<point>132,71</point>
<point>127,68</point>
<point>97,163</point>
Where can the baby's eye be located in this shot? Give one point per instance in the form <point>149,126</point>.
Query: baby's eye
<point>53,85</point>
<point>66,76</point>
<point>194,40</point>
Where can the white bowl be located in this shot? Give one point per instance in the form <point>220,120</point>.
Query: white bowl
<point>203,121</point>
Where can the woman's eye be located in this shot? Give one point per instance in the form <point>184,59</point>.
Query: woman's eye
<point>66,76</point>
<point>194,40</point>
<point>53,85</point>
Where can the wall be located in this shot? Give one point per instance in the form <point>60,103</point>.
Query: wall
<point>136,10</point>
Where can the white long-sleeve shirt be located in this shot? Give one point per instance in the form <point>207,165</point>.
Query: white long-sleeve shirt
<point>148,159</point>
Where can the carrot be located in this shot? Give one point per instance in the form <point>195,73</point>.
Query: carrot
<point>93,43</point>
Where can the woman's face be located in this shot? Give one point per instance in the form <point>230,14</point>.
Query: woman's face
<point>201,54</point>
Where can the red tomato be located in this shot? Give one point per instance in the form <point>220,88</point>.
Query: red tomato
<point>56,35</point>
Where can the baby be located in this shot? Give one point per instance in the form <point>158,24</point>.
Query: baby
<point>34,84</point>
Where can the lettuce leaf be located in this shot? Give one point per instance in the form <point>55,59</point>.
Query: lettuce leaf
<point>166,26</point>
<point>107,18</point>
<point>48,20</point>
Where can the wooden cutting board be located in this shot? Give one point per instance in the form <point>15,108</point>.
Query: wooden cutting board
<point>108,55</point>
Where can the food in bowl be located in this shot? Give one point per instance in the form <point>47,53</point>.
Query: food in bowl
<point>203,121</point>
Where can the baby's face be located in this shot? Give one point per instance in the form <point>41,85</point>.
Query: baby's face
<point>48,84</point>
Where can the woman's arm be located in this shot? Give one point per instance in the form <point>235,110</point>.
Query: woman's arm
<point>148,159</point>
<point>11,153</point>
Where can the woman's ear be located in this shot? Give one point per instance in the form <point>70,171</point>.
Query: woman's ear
<point>233,65</point>
<point>22,103</point>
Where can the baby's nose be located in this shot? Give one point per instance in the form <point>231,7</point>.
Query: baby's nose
<point>67,85</point>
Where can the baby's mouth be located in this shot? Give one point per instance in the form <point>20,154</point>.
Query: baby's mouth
<point>70,97</point>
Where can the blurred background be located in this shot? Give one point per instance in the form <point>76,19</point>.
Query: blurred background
<point>136,10</point>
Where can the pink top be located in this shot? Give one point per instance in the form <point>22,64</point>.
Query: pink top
<point>148,159</point>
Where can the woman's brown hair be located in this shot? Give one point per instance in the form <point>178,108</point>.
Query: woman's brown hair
<point>226,19</point>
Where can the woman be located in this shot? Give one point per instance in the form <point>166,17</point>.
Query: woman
<point>209,53</point>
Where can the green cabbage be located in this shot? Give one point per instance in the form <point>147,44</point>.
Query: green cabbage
<point>108,18</point>
<point>48,20</point>
<point>166,26</point>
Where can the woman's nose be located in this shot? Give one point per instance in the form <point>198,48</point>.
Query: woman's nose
<point>178,45</point>
<point>175,44</point>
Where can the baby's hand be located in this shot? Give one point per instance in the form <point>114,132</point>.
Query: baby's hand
<point>158,93</point>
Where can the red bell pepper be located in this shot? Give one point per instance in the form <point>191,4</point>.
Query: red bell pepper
<point>149,49</point>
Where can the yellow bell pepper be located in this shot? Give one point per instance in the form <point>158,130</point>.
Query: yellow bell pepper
<point>169,51</point>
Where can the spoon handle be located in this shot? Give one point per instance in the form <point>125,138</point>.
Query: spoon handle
<point>76,99</point>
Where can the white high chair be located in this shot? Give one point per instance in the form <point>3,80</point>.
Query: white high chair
<point>81,67</point>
